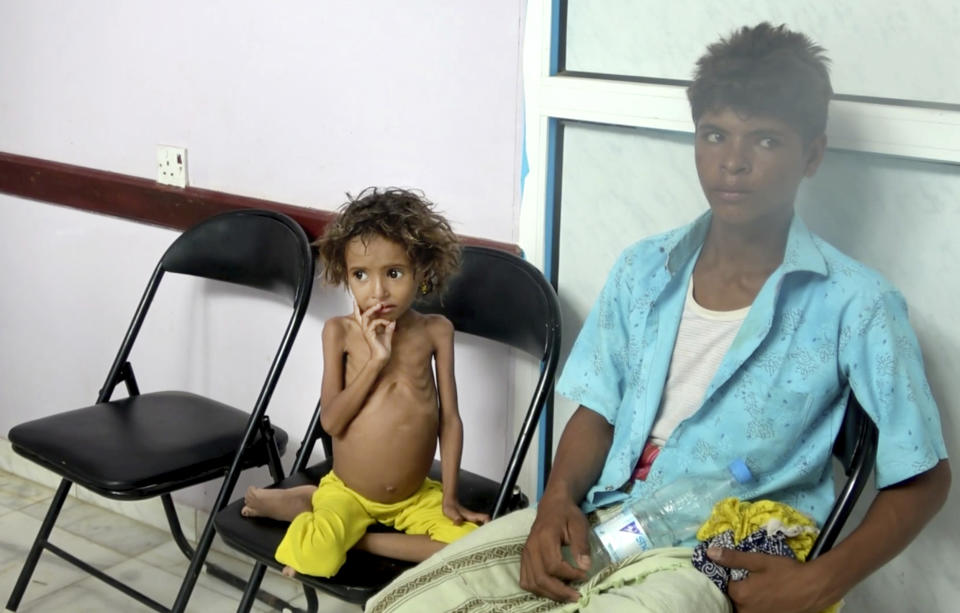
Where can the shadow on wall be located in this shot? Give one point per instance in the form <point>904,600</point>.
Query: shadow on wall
<point>572,322</point>
<point>897,216</point>
<point>228,308</point>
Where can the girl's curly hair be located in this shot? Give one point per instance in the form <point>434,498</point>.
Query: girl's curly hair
<point>403,216</point>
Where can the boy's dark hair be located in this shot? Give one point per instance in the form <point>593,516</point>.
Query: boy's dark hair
<point>402,216</point>
<point>765,70</point>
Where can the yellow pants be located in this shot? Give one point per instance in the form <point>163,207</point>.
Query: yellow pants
<point>316,543</point>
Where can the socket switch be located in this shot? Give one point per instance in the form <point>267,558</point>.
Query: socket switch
<point>172,165</point>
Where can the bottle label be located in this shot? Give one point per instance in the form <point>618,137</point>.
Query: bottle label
<point>623,536</point>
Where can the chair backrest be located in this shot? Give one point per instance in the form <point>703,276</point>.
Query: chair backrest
<point>255,248</point>
<point>260,249</point>
<point>502,297</point>
<point>499,296</point>
<point>856,449</point>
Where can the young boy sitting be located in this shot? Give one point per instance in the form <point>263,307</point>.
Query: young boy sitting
<point>739,335</point>
<point>381,401</point>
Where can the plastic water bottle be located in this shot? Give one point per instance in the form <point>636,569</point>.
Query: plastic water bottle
<point>664,518</point>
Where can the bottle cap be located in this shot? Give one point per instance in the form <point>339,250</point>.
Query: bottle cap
<point>740,470</point>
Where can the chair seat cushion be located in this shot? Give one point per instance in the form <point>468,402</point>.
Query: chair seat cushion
<point>141,446</point>
<point>363,574</point>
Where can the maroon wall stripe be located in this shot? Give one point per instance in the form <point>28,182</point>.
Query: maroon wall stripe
<point>147,201</point>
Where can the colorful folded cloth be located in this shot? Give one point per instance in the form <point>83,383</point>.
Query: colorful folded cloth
<point>764,526</point>
<point>760,542</point>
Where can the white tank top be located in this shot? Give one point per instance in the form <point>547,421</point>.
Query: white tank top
<point>702,341</point>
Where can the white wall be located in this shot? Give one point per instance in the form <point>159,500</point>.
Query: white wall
<point>869,42</point>
<point>296,102</point>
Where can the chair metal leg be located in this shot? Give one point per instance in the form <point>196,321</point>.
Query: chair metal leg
<point>216,570</point>
<point>253,584</point>
<point>311,594</point>
<point>102,576</point>
<point>53,511</point>
<point>173,520</point>
<point>196,561</point>
<point>253,592</point>
<point>274,463</point>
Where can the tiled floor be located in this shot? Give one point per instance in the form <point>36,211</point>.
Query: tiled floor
<point>135,553</point>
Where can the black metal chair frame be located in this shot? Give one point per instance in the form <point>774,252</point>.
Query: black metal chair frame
<point>856,449</point>
<point>502,321</point>
<point>228,247</point>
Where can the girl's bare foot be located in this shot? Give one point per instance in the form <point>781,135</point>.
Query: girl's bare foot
<point>252,505</point>
<point>279,504</point>
<point>288,572</point>
<point>249,497</point>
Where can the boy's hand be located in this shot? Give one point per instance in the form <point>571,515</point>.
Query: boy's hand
<point>377,332</point>
<point>543,570</point>
<point>775,583</point>
<point>459,513</point>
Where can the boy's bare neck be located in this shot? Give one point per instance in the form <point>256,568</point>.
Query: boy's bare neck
<point>736,261</point>
<point>749,249</point>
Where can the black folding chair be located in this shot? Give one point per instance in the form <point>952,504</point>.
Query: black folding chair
<point>856,449</point>
<point>151,444</point>
<point>497,296</point>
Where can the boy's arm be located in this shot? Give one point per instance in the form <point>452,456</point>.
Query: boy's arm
<point>897,515</point>
<point>580,457</point>
<point>451,426</point>
<point>340,404</point>
<point>899,511</point>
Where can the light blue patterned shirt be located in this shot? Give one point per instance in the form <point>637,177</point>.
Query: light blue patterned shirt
<point>822,324</point>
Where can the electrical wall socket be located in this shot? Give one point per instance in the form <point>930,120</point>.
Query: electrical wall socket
<point>172,165</point>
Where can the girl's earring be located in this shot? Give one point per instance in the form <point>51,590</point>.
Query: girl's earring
<point>424,287</point>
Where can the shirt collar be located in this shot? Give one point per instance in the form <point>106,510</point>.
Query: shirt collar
<point>801,254</point>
